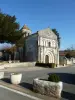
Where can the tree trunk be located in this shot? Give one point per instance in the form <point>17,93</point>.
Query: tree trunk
<point>14,56</point>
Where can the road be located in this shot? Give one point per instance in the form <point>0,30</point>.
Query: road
<point>8,95</point>
<point>67,75</point>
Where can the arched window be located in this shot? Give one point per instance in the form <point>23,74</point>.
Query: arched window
<point>49,44</point>
<point>53,43</point>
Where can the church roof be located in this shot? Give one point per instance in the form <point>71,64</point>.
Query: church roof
<point>25,27</point>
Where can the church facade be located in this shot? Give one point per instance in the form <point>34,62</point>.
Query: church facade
<point>41,46</point>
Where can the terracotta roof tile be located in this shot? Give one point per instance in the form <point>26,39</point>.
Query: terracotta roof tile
<point>63,53</point>
<point>25,27</point>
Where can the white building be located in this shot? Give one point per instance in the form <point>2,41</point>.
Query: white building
<point>41,46</point>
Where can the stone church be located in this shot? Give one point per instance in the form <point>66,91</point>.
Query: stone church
<point>41,46</point>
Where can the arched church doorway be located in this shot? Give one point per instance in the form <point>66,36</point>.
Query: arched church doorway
<point>46,59</point>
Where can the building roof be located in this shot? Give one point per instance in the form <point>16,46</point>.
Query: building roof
<point>63,53</point>
<point>25,27</point>
<point>37,32</point>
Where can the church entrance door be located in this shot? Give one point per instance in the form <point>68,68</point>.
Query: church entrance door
<point>46,59</point>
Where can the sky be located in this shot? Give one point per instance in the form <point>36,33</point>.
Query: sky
<point>40,14</point>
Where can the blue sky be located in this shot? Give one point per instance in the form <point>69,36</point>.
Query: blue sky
<point>39,14</point>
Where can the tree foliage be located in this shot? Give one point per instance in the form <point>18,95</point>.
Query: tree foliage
<point>68,55</point>
<point>70,52</point>
<point>9,28</point>
<point>58,37</point>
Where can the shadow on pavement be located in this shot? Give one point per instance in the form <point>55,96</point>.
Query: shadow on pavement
<point>68,96</point>
<point>7,80</point>
<point>66,77</point>
<point>23,84</point>
<point>26,85</point>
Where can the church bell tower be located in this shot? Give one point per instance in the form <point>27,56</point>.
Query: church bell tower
<point>26,31</point>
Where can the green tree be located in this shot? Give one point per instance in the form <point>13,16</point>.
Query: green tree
<point>68,55</point>
<point>70,51</point>
<point>58,37</point>
<point>9,29</point>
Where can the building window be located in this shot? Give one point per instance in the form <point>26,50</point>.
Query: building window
<point>53,43</point>
<point>49,44</point>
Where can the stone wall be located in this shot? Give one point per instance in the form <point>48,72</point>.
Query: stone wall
<point>1,73</point>
<point>31,48</point>
<point>66,61</point>
<point>24,64</point>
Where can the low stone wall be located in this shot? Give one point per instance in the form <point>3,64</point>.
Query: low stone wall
<point>66,61</point>
<point>1,73</point>
<point>73,60</point>
<point>25,64</point>
<point>69,62</point>
<point>47,88</point>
